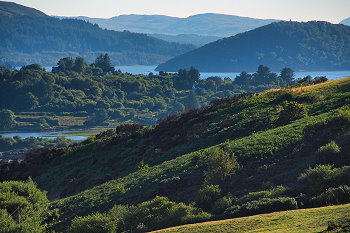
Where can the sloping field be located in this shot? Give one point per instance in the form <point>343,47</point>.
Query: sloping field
<point>305,220</point>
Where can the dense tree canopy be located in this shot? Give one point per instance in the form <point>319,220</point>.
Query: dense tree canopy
<point>7,119</point>
<point>22,207</point>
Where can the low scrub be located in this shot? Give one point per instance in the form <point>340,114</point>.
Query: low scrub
<point>264,205</point>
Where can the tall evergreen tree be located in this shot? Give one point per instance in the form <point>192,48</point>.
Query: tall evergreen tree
<point>104,62</point>
<point>192,101</point>
<point>7,119</point>
<point>287,75</point>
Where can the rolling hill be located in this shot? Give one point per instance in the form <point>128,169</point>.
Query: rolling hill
<point>197,40</point>
<point>306,220</point>
<point>311,46</point>
<point>29,36</point>
<point>231,159</point>
<point>11,9</point>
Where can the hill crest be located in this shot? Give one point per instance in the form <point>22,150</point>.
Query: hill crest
<point>11,9</point>
<point>206,24</point>
<point>311,46</point>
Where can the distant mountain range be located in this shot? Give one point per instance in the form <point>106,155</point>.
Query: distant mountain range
<point>197,29</point>
<point>30,36</point>
<point>197,40</point>
<point>301,46</point>
<point>208,24</point>
<point>346,21</point>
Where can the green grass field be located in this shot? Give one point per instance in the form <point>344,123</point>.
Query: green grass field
<point>305,220</point>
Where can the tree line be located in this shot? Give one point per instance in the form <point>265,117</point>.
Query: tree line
<point>102,93</point>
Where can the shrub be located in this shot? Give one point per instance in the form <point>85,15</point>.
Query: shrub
<point>223,203</point>
<point>100,116</point>
<point>207,195</point>
<point>329,153</point>
<point>220,165</point>
<point>252,196</point>
<point>291,111</point>
<point>319,179</point>
<point>7,224</point>
<point>7,119</point>
<point>330,148</point>
<point>22,206</point>
<point>264,205</point>
<point>341,226</point>
<point>95,223</point>
<point>325,131</point>
<point>337,195</point>
<point>117,214</point>
<point>160,213</point>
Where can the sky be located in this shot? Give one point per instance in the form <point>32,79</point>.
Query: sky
<point>297,10</point>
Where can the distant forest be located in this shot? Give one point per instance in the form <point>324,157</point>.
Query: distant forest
<point>33,38</point>
<point>311,46</point>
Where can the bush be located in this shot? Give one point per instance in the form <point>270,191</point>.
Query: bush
<point>331,196</point>
<point>207,195</point>
<point>95,223</point>
<point>220,165</point>
<point>7,224</point>
<point>117,214</point>
<point>100,116</point>
<point>252,196</point>
<point>223,203</point>
<point>329,153</point>
<point>325,131</point>
<point>291,111</point>
<point>319,179</point>
<point>22,206</point>
<point>160,213</point>
<point>264,205</point>
<point>341,226</point>
<point>7,119</point>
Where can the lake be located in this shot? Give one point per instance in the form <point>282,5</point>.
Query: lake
<point>48,135</point>
<point>148,69</point>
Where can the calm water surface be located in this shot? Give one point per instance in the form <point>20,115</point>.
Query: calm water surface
<point>48,135</point>
<point>147,69</point>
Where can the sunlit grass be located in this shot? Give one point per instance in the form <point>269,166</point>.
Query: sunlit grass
<point>305,220</point>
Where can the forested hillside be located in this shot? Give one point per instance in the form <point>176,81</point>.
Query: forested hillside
<point>281,149</point>
<point>28,36</point>
<point>311,46</point>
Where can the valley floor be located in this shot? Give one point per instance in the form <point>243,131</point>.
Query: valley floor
<point>303,220</point>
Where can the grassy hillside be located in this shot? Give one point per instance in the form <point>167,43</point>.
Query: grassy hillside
<point>241,156</point>
<point>301,46</point>
<point>306,220</point>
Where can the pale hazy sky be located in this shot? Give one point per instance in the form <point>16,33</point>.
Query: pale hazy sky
<point>297,10</point>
